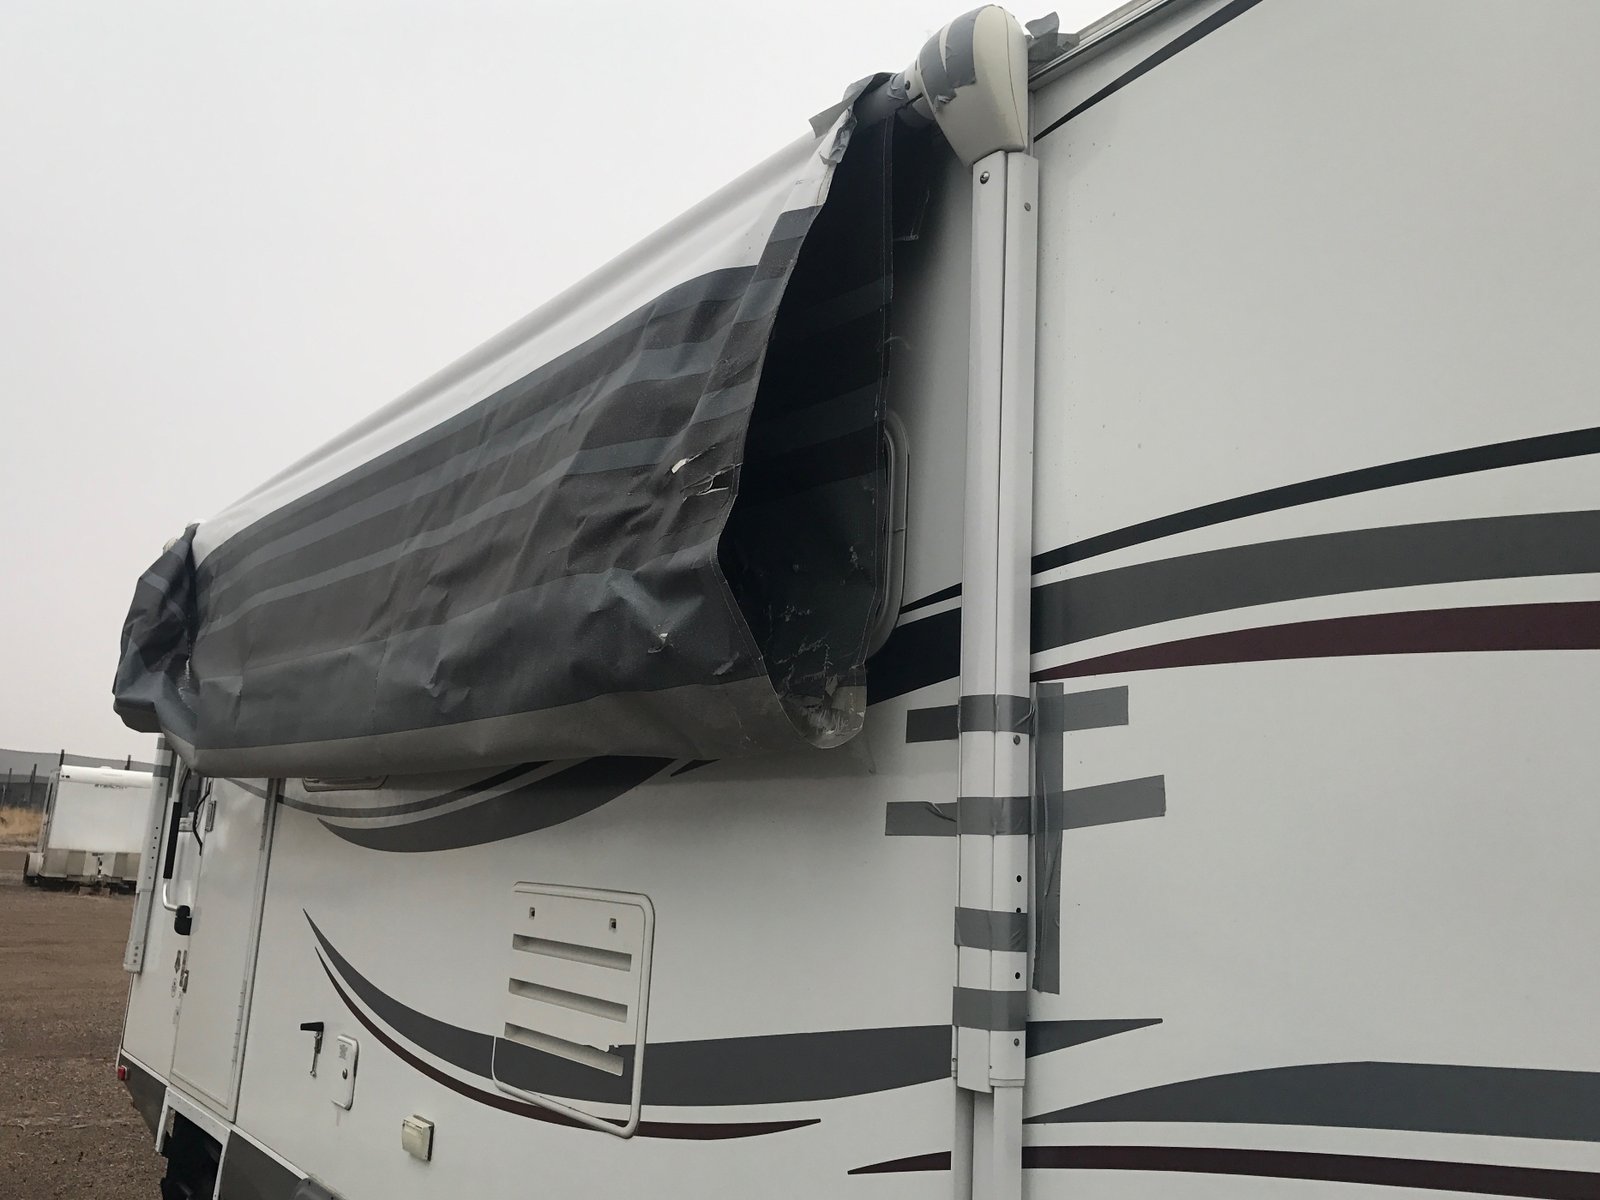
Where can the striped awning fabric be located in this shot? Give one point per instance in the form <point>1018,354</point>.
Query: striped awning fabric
<point>646,520</point>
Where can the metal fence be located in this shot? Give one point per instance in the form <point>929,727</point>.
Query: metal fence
<point>26,782</point>
<point>28,792</point>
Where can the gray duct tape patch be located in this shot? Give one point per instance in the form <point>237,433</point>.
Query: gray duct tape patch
<point>996,714</point>
<point>980,1008</point>
<point>987,929</point>
<point>960,60</point>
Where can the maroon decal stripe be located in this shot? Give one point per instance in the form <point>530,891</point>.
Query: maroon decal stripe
<point>1481,1179</point>
<point>694,1131</point>
<point>1557,626</point>
<point>917,1162</point>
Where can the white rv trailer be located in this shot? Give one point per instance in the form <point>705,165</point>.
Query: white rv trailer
<point>1236,513</point>
<point>94,824</point>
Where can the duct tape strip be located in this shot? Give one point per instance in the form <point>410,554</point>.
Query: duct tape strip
<point>164,759</point>
<point>1103,708</point>
<point>1107,803</point>
<point>960,62</point>
<point>1046,41</point>
<point>828,117</point>
<point>1049,771</point>
<point>996,714</point>
<point>936,83</point>
<point>919,818</point>
<point>992,815</point>
<point>980,1008</point>
<point>986,929</point>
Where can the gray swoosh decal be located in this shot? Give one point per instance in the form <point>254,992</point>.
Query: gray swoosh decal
<point>1328,564</point>
<point>571,793</point>
<point>792,1067</point>
<point>465,1048</point>
<point>1043,1037</point>
<point>691,1130</point>
<point>924,652</point>
<point>1422,1097</point>
<point>419,805</point>
<point>1478,1179</point>
<point>764,1069</point>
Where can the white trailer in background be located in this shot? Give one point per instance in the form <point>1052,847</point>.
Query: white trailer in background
<point>1222,819</point>
<point>93,829</point>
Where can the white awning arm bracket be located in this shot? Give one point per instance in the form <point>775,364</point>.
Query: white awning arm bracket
<point>972,79</point>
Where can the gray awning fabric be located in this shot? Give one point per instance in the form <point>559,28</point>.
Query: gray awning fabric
<point>644,521</point>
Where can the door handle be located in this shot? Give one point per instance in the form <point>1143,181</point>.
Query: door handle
<point>182,917</point>
<point>314,1028</point>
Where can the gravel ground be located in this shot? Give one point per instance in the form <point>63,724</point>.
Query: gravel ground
<point>67,1127</point>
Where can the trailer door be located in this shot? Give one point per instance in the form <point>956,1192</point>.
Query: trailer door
<point>227,864</point>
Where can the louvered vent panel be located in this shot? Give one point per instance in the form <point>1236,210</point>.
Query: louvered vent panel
<point>577,978</point>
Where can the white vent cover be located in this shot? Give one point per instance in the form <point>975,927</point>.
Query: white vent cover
<point>577,986</point>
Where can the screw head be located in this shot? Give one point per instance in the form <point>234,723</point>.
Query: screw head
<point>984,178</point>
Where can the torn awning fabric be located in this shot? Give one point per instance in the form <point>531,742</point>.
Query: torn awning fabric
<point>646,520</point>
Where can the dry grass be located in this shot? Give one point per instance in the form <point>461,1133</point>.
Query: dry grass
<point>20,826</point>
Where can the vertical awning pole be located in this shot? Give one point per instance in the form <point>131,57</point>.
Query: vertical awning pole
<point>995,806</point>
<point>971,79</point>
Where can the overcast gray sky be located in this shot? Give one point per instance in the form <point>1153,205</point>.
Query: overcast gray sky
<point>229,230</point>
